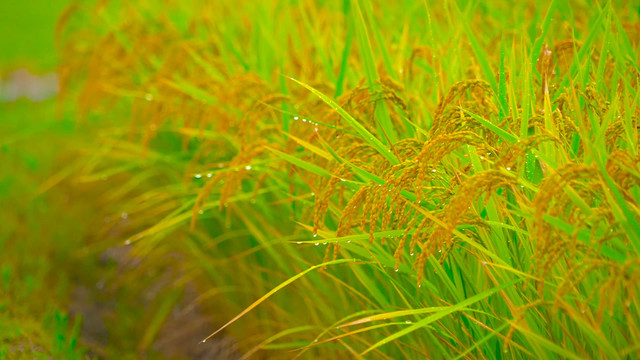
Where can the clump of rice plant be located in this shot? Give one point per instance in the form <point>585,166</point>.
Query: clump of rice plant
<point>390,181</point>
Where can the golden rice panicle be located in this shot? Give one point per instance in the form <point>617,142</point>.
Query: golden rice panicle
<point>481,99</point>
<point>621,166</point>
<point>595,101</point>
<point>519,314</point>
<point>614,132</point>
<point>336,249</point>
<point>202,194</point>
<point>397,205</point>
<point>367,208</point>
<point>241,168</point>
<point>400,248</point>
<point>549,244</point>
<point>373,206</point>
<point>576,273</point>
<point>459,204</point>
<point>407,149</point>
<point>328,253</point>
<point>554,252</point>
<point>435,150</point>
<point>323,198</point>
<point>620,286</point>
<point>351,211</point>
<point>513,154</point>
<point>565,128</point>
<point>421,259</point>
<point>565,50</point>
<point>404,214</point>
<point>421,52</point>
<point>253,122</point>
<point>424,228</point>
<point>231,177</point>
<point>357,150</point>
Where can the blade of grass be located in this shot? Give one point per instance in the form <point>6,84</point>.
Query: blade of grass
<point>366,50</point>
<point>494,128</point>
<point>301,163</point>
<point>276,289</point>
<point>440,314</point>
<point>364,133</point>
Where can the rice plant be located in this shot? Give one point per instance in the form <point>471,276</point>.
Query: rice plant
<point>344,179</point>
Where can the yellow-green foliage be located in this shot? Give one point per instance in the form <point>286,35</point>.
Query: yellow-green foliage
<point>479,161</point>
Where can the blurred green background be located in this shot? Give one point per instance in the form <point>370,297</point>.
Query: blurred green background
<point>34,238</point>
<point>28,29</point>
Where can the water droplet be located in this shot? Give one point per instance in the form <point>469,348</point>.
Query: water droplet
<point>201,212</point>
<point>209,175</point>
<point>509,168</point>
<point>317,244</point>
<point>434,170</point>
<point>124,215</point>
<point>127,242</point>
<point>348,241</point>
<point>248,167</point>
<point>295,118</point>
<point>315,235</point>
<point>484,263</point>
<point>396,270</point>
<point>299,242</point>
<point>304,120</point>
<point>149,97</point>
<point>407,322</point>
<point>343,180</point>
<point>324,243</point>
<point>203,341</point>
<point>197,176</point>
